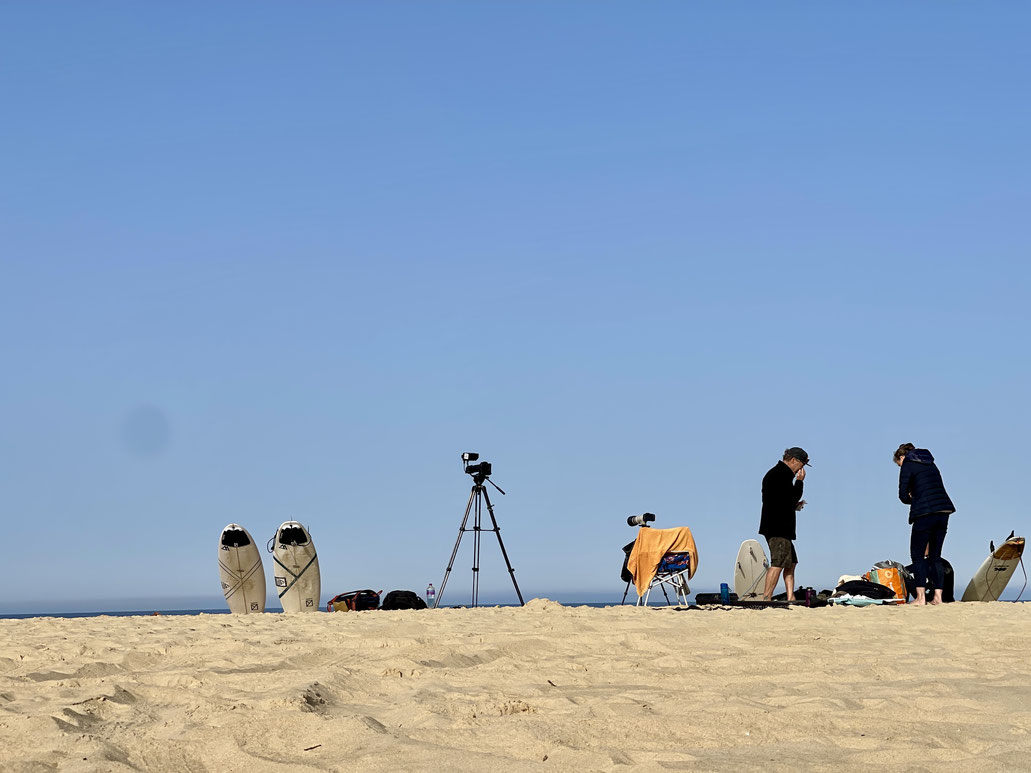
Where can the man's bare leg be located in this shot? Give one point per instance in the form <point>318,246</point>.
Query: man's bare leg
<point>772,575</point>
<point>789,582</point>
<point>937,596</point>
<point>920,599</point>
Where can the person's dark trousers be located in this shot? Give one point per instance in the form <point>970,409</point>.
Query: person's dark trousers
<point>929,533</point>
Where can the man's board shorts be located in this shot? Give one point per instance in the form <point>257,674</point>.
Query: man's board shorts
<point>782,552</point>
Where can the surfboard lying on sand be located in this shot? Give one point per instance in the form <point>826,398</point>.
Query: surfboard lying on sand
<point>990,580</point>
<point>295,565</point>
<point>750,570</point>
<point>240,570</point>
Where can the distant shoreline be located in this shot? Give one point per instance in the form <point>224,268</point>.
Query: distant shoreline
<point>225,611</point>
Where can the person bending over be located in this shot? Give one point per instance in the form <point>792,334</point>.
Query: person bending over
<point>921,487</point>
<point>782,499</point>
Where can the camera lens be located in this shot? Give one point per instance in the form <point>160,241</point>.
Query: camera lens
<point>640,520</point>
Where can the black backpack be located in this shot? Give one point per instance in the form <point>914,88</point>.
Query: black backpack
<point>355,601</point>
<point>948,591</point>
<point>403,599</point>
<point>625,575</point>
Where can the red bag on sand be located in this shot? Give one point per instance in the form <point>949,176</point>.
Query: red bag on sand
<point>355,601</point>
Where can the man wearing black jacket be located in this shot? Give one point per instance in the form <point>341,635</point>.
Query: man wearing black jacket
<point>782,499</point>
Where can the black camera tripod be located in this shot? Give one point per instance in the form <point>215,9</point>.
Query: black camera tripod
<point>476,497</point>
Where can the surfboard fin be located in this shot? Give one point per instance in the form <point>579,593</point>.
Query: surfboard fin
<point>1011,535</point>
<point>991,546</point>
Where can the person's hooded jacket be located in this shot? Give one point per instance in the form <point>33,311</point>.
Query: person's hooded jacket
<point>921,486</point>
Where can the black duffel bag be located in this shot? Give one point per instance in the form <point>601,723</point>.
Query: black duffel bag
<point>402,599</point>
<point>870,590</point>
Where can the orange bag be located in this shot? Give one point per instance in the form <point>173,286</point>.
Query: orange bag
<point>890,578</point>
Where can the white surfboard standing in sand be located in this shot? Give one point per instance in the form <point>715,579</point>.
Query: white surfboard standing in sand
<point>241,571</point>
<point>295,566</point>
<point>750,570</point>
<point>990,580</point>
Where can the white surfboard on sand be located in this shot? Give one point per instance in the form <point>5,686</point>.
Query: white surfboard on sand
<point>750,570</point>
<point>990,580</point>
<point>240,570</point>
<point>295,565</point>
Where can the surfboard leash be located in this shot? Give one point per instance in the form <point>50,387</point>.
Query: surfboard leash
<point>1025,578</point>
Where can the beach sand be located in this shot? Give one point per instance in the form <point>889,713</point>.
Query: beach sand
<point>544,687</point>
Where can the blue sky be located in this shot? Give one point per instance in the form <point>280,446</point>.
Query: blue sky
<point>266,261</point>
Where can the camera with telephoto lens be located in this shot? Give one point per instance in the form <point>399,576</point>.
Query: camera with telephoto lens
<point>640,520</point>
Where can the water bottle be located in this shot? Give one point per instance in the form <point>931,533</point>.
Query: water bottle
<point>431,595</point>
<point>724,593</point>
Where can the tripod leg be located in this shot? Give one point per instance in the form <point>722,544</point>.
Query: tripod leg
<point>477,508</point>
<point>497,531</point>
<point>451,563</point>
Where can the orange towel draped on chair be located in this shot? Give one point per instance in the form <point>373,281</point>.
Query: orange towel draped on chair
<point>649,548</point>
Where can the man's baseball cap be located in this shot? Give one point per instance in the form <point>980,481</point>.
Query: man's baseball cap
<point>798,453</point>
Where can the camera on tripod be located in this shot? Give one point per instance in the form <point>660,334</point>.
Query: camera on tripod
<point>640,520</point>
<point>481,470</point>
<point>478,497</point>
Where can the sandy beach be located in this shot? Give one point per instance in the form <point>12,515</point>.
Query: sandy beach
<point>545,687</point>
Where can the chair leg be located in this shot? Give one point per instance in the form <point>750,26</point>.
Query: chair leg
<point>677,581</point>
<point>683,589</point>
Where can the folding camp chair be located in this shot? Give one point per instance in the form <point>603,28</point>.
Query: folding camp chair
<point>661,557</point>
<point>673,570</point>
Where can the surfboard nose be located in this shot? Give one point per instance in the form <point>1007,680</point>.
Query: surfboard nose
<point>292,533</point>
<point>234,536</point>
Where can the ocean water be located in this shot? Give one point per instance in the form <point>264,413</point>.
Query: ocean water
<point>225,611</point>
<point>215,605</point>
<point>122,613</point>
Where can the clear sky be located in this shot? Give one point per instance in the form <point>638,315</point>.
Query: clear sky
<point>266,261</point>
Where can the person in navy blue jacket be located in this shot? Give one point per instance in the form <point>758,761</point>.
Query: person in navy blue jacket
<point>921,487</point>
